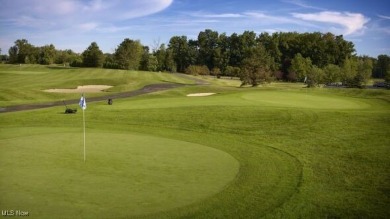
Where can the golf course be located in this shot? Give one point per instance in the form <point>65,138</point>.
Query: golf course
<point>164,150</point>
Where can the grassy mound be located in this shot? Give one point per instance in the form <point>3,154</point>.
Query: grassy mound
<point>129,174</point>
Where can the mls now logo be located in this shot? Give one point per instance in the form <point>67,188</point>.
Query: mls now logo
<point>14,213</point>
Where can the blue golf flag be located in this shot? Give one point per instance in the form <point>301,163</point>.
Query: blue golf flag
<point>83,102</point>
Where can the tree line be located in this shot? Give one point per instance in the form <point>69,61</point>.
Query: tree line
<point>315,58</point>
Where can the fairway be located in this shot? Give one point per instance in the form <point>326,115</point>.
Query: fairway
<point>129,174</point>
<point>276,151</point>
<point>303,100</point>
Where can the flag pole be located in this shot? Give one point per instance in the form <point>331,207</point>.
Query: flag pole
<point>84,132</point>
<point>83,105</point>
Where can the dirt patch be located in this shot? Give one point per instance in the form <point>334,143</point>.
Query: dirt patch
<point>200,94</point>
<point>81,89</point>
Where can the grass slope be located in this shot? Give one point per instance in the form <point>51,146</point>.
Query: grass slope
<point>302,153</point>
<point>25,84</point>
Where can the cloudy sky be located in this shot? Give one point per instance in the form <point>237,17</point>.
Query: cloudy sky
<point>74,24</point>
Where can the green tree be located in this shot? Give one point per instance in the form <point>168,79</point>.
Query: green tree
<point>300,66</point>
<point>161,55</point>
<point>382,66</point>
<point>144,59</point>
<point>13,54</point>
<point>93,56</point>
<point>364,71</point>
<point>208,43</point>
<point>349,72</point>
<point>152,63</point>
<point>128,55</point>
<point>216,72</point>
<point>271,44</point>
<point>170,63</point>
<point>47,55</point>
<point>232,71</point>
<point>197,70</point>
<point>387,76</point>
<point>315,76</point>
<point>256,67</point>
<point>23,52</point>
<point>221,53</point>
<point>332,73</point>
<point>181,53</point>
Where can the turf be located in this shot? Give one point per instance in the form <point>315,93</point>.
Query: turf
<point>129,174</point>
<point>300,153</point>
<point>25,84</point>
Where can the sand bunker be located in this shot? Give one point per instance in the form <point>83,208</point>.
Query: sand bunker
<point>200,94</point>
<point>81,89</point>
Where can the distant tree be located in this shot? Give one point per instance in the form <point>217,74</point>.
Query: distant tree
<point>256,67</point>
<point>197,70</point>
<point>387,75</point>
<point>170,63</point>
<point>215,72</point>
<point>271,44</point>
<point>47,55</point>
<point>128,55</point>
<point>344,50</point>
<point>356,71</point>
<point>381,66</point>
<point>13,54</point>
<point>208,43</point>
<point>109,61</point>
<point>364,71</point>
<point>332,73</point>
<point>232,71</point>
<point>278,75</point>
<point>222,52</point>
<point>180,51</point>
<point>23,52</point>
<point>161,55</point>
<point>77,61</point>
<point>292,76</point>
<point>93,56</point>
<point>300,66</point>
<point>315,76</point>
<point>68,57</point>
<point>144,59</point>
<point>235,51</point>
<point>349,71</point>
<point>152,63</point>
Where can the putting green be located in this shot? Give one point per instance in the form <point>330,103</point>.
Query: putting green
<point>303,100</point>
<point>124,174</point>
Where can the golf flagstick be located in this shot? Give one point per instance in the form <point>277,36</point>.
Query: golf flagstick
<point>83,105</point>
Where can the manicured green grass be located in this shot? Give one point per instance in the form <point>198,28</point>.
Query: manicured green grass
<point>300,153</point>
<point>26,83</point>
<point>125,173</point>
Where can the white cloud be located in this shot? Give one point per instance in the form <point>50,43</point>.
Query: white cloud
<point>227,15</point>
<point>88,26</point>
<point>266,19</point>
<point>301,4</point>
<point>82,11</point>
<point>384,17</point>
<point>351,22</point>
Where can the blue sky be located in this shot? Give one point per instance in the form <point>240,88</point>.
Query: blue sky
<point>74,24</point>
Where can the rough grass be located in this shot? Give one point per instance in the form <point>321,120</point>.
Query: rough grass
<point>302,153</point>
